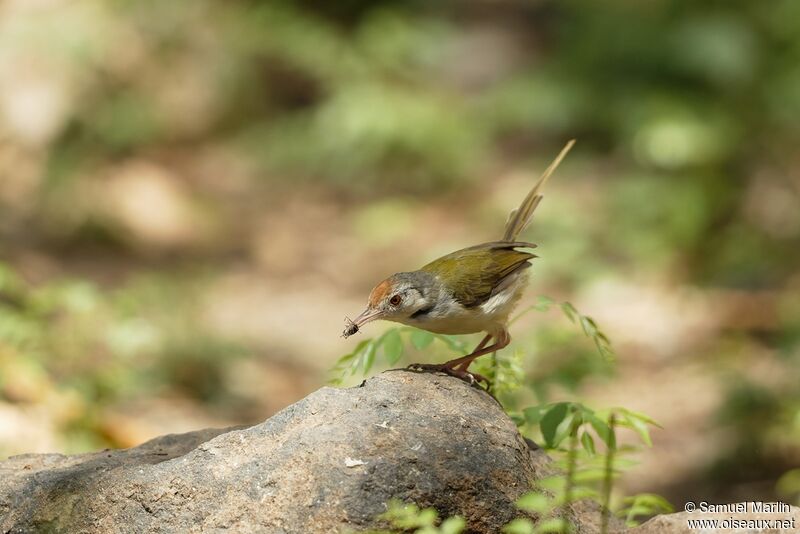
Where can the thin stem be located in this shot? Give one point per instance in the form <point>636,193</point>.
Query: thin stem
<point>608,478</point>
<point>493,384</point>
<point>572,460</point>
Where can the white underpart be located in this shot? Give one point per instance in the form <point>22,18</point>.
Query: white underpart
<point>491,316</point>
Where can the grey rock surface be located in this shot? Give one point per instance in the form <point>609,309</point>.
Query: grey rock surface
<point>326,464</point>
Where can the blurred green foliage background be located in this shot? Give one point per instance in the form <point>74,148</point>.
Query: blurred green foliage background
<point>193,195</point>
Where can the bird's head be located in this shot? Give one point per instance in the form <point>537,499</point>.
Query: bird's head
<point>396,299</point>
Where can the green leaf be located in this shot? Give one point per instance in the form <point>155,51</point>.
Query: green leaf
<point>588,443</point>
<point>521,525</point>
<point>544,303</point>
<point>588,326</point>
<point>428,517</point>
<point>551,421</point>
<point>392,346</point>
<point>570,311</point>
<point>644,504</point>
<point>789,483</point>
<point>642,417</point>
<point>603,431</point>
<point>534,501</point>
<point>555,524</point>
<point>590,329</point>
<point>534,414</point>
<point>453,525</point>
<point>588,475</point>
<point>349,363</point>
<point>519,419</point>
<point>582,492</point>
<point>641,429</point>
<point>368,358</point>
<point>567,427</point>
<point>633,512</point>
<point>638,426</point>
<point>360,347</point>
<point>421,339</point>
<point>652,502</point>
<point>454,343</point>
<point>552,483</point>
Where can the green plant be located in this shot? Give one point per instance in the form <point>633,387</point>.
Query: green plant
<point>409,518</point>
<point>585,445</point>
<point>788,486</point>
<point>391,346</point>
<point>643,505</point>
<point>505,371</point>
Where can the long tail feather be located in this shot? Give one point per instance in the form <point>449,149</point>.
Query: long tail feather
<point>519,219</point>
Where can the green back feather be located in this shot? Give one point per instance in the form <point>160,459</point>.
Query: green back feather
<point>472,274</point>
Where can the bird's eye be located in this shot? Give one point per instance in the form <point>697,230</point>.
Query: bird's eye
<point>395,300</point>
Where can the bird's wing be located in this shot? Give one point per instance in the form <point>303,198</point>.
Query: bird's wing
<point>473,273</point>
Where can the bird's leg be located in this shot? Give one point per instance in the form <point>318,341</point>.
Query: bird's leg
<point>483,342</point>
<point>458,362</point>
<point>458,366</point>
<point>462,364</point>
<point>452,364</point>
<point>480,346</point>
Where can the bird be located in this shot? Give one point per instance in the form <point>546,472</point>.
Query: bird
<point>468,291</point>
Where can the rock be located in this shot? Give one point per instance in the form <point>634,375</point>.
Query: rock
<point>740,517</point>
<point>326,464</point>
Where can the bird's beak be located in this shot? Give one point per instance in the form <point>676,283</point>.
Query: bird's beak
<point>366,316</point>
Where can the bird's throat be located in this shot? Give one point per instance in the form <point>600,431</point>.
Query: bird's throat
<point>422,312</point>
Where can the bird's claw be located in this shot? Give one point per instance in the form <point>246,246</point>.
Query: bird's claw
<point>471,378</point>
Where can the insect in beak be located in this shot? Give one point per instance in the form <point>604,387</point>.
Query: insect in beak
<point>365,317</point>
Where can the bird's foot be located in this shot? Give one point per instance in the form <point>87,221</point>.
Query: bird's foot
<point>466,376</point>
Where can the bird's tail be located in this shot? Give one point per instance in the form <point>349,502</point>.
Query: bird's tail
<point>519,218</point>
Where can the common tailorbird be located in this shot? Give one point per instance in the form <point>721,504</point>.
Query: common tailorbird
<point>468,291</point>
